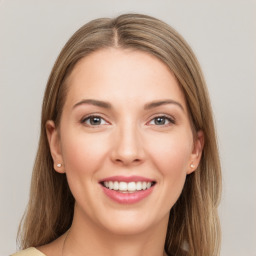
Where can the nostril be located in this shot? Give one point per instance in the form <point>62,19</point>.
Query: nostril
<point>127,161</point>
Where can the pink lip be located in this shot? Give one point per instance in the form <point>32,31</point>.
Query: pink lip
<point>127,179</point>
<point>127,198</point>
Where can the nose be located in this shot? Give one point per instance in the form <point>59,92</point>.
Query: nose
<point>127,147</point>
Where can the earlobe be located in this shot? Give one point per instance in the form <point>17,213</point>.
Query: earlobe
<point>54,144</point>
<point>197,152</point>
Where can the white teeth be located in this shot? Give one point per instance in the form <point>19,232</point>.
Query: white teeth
<point>123,186</point>
<point>138,185</point>
<point>116,185</point>
<point>127,186</point>
<point>110,185</point>
<point>131,186</point>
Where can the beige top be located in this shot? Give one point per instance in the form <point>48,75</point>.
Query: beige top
<point>32,251</point>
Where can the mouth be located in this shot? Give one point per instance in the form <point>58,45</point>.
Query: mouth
<point>127,187</point>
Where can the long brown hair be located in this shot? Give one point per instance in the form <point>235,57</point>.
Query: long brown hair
<point>193,227</point>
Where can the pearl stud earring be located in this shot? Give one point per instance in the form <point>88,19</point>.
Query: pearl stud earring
<point>192,166</point>
<point>58,165</point>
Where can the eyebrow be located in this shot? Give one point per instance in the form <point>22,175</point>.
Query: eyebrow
<point>155,104</point>
<point>107,105</point>
<point>97,103</point>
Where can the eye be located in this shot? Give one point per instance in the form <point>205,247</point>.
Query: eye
<point>94,121</point>
<point>161,120</point>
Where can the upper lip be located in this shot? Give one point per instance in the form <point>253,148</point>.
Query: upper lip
<point>127,179</point>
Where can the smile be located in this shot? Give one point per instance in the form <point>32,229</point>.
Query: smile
<point>127,190</point>
<point>127,187</point>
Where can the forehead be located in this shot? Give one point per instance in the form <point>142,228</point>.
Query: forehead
<point>122,75</point>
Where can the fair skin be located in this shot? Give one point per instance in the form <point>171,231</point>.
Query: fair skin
<point>140,127</point>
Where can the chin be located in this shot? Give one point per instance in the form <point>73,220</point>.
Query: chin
<point>130,222</point>
<point>127,227</point>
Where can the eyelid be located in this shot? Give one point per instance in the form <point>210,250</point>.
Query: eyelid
<point>171,119</point>
<point>84,118</point>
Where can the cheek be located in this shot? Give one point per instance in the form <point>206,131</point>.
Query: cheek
<point>82,153</point>
<point>171,154</point>
<point>171,157</point>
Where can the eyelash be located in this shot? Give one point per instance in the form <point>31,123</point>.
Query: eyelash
<point>90,118</point>
<point>168,118</point>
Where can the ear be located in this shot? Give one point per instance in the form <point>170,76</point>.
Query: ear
<point>196,152</point>
<point>54,144</point>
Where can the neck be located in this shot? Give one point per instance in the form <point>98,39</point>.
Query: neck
<point>86,238</point>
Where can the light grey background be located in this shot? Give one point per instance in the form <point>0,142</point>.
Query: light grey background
<point>223,36</point>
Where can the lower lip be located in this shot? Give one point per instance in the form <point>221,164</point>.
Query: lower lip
<point>127,198</point>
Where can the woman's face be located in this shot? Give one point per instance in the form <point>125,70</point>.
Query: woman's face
<point>125,140</point>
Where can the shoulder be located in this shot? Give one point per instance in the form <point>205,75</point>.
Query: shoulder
<point>32,251</point>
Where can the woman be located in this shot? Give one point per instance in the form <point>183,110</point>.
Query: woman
<point>127,161</point>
